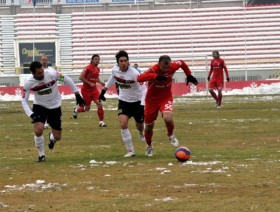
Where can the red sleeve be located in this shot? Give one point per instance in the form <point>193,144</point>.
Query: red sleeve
<point>184,66</point>
<point>148,75</point>
<point>225,68</point>
<point>85,71</point>
<point>211,70</point>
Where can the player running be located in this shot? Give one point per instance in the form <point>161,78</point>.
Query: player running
<point>159,97</point>
<point>46,104</point>
<point>130,95</point>
<point>90,93</point>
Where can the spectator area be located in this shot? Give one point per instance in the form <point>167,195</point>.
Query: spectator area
<point>247,37</point>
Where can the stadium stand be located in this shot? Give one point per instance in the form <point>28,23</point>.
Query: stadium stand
<point>244,36</point>
<point>247,37</point>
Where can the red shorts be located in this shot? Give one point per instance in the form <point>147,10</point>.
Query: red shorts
<point>152,108</point>
<point>216,83</point>
<point>90,95</point>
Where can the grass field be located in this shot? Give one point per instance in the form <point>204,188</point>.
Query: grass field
<point>234,165</point>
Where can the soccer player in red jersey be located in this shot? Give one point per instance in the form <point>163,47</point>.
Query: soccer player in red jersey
<point>159,97</point>
<point>89,77</point>
<point>217,68</point>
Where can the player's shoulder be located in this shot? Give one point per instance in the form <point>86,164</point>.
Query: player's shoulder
<point>154,68</point>
<point>116,68</point>
<point>134,70</point>
<point>29,82</point>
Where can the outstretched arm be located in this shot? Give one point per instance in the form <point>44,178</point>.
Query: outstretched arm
<point>24,102</point>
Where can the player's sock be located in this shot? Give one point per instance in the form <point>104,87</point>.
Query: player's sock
<point>170,128</point>
<point>220,96</point>
<point>39,143</point>
<point>148,137</point>
<point>80,110</point>
<point>100,113</point>
<point>127,139</point>
<point>214,95</point>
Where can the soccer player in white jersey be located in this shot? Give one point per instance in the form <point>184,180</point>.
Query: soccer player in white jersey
<point>130,95</point>
<point>45,64</point>
<point>46,104</point>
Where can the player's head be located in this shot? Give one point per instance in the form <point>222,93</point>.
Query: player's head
<point>135,65</point>
<point>164,63</point>
<point>37,70</point>
<point>95,59</point>
<point>215,54</point>
<point>44,61</point>
<point>122,60</point>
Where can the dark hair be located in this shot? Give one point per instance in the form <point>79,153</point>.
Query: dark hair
<point>35,65</point>
<point>165,59</point>
<point>95,55</point>
<point>216,53</point>
<point>121,53</point>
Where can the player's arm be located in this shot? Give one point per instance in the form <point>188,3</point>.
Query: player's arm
<point>147,75</point>
<point>68,81</point>
<point>190,78</point>
<point>83,78</point>
<point>108,84</point>
<point>184,66</point>
<point>100,82</point>
<point>24,101</point>
<point>143,88</point>
<point>210,72</point>
<point>226,71</point>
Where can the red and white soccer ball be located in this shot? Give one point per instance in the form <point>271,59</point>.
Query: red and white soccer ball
<point>183,154</point>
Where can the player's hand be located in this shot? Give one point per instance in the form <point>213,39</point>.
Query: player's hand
<point>228,79</point>
<point>208,78</point>
<point>35,117</point>
<point>79,100</point>
<point>191,79</point>
<point>101,96</point>
<point>160,78</point>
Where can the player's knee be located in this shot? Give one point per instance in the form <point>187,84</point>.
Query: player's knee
<point>86,108</point>
<point>149,128</point>
<point>57,135</point>
<point>38,131</point>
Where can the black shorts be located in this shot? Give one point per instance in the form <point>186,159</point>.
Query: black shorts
<point>53,116</point>
<point>132,109</point>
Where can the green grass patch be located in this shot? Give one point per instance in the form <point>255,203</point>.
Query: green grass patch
<point>234,165</point>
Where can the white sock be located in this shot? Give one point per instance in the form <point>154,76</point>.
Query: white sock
<point>52,138</point>
<point>127,140</point>
<point>39,143</point>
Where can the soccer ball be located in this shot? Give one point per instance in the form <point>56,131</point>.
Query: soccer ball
<point>183,154</point>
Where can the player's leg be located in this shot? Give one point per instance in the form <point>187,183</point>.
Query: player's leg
<point>38,131</point>
<point>39,141</point>
<point>148,137</point>
<point>212,86</point>
<point>139,122</point>
<point>55,123</point>
<point>220,94</point>
<point>166,109</point>
<point>87,96</point>
<point>123,117</point>
<point>100,110</point>
<point>150,114</point>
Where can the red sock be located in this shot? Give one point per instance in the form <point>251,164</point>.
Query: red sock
<point>80,110</point>
<point>220,96</point>
<point>214,95</point>
<point>148,137</point>
<point>170,128</point>
<point>100,113</point>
